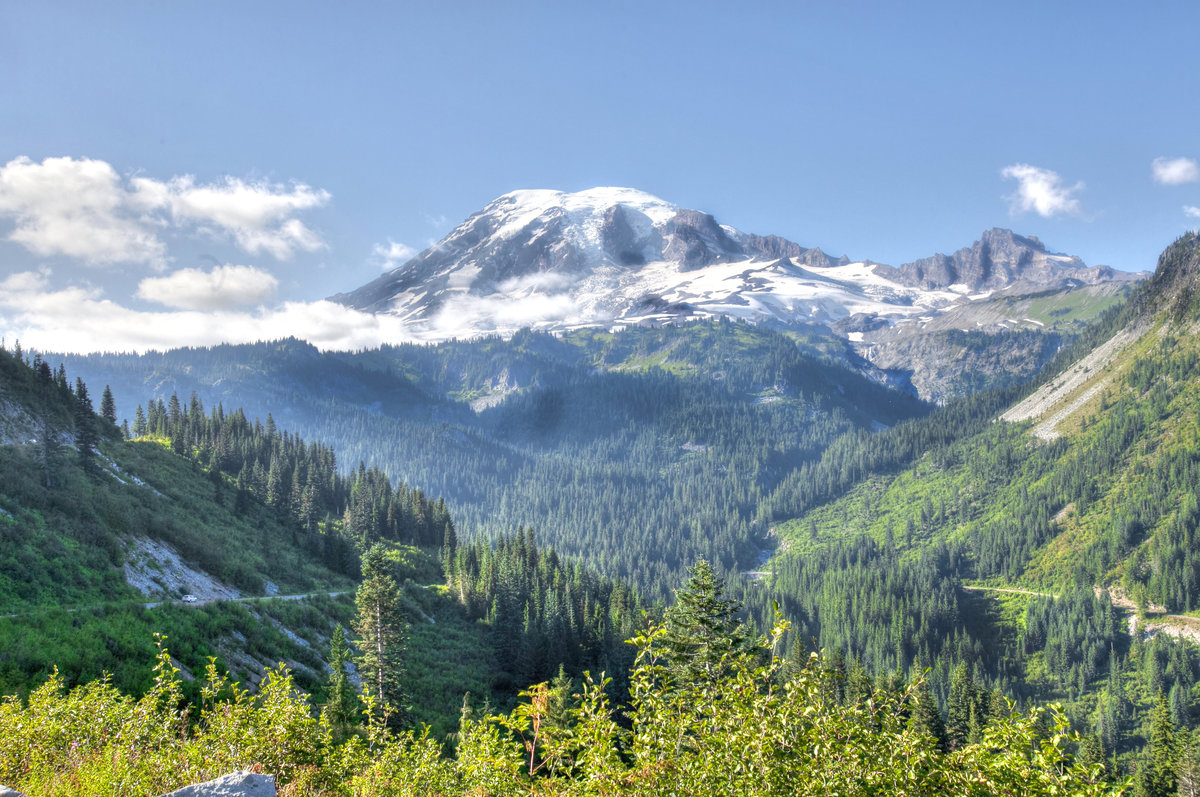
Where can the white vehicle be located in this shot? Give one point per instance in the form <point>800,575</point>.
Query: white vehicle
<point>189,598</point>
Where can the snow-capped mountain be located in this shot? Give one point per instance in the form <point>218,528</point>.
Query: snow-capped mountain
<point>554,260</point>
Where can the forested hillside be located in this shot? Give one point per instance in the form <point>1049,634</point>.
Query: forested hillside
<point>639,451</point>
<point>245,515</point>
<point>1018,556</point>
<point>711,711</point>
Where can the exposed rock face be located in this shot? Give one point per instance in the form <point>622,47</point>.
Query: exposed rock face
<point>1000,258</point>
<point>236,784</point>
<point>696,240</point>
<point>527,236</point>
<point>1176,280</point>
<point>628,246</point>
<point>7,792</point>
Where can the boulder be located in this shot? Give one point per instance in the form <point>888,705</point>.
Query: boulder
<point>7,792</point>
<point>235,784</point>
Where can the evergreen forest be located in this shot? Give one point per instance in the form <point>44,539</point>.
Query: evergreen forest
<point>658,560</point>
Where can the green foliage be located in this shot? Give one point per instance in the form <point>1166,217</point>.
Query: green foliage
<point>756,730</point>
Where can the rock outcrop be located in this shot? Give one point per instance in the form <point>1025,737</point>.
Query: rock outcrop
<point>235,784</point>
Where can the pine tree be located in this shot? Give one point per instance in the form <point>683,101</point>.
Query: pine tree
<point>925,716</point>
<point>701,631</point>
<point>342,704</point>
<point>960,705</point>
<point>1156,771</point>
<point>382,634</point>
<point>1187,772</point>
<point>108,407</point>
<point>85,429</point>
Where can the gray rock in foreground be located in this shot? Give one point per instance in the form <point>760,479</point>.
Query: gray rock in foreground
<point>7,792</point>
<point>235,784</point>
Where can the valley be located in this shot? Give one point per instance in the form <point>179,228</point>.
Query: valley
<point>979,542</point>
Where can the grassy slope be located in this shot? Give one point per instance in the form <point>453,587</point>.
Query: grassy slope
<point>64,601</point>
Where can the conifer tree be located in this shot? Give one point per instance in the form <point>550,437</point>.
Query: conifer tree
<point>961,704</point>
<point>1187,771</point>
<point>925,716</point>
<point>701,631</point>
<point>108,407</point>
<point>341,706</point>
<point>85,430</point>
<point>1159,764</point>
<point>382,634</point>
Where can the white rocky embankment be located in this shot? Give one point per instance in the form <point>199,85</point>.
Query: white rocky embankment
<point>156,569</point>
<point>1056,400</point>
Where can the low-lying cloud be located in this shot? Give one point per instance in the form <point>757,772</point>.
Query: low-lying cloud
<point>217,289</point>
<point>1041,191</point>
<point>525,301</point>
<point>80,320</point>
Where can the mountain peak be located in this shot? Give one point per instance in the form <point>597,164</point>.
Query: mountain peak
<point>588,199</point>
<point>551,259</point>
<point>999,259</point>
<point>1176,280</point>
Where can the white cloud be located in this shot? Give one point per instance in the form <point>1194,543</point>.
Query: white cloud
<point>260,216</point>
<point>527,301</point>
<point>76,320</point>
<point>392,255</point>
<point>77,208</point>
<point>1175,171</point>
<point>219,288</point>
<point>1041,190</point>
<point>82,208</point>
<point>1192,211</point>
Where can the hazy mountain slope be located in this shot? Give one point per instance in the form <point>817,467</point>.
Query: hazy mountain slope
<point>1004,339</point>
<point>638,450</point>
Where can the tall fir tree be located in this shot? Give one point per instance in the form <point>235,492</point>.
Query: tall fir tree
<point>108,407</point>
<point>341,706</point>
<point>85,428</point>
<point>701,630</point>
<point>382,636</point>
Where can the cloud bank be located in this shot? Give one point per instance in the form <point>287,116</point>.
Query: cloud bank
<point>220,288</point>
<point>80,320</point>
<point>1041,191</point>
<point>259,216</point>
<point>77,208</point>
<point>81,208</point>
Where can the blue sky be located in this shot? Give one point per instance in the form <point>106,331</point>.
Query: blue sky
<point>185,172</point>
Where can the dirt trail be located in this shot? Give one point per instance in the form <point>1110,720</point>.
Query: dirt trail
<point>1013,591</point>
<point>154,604</point>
